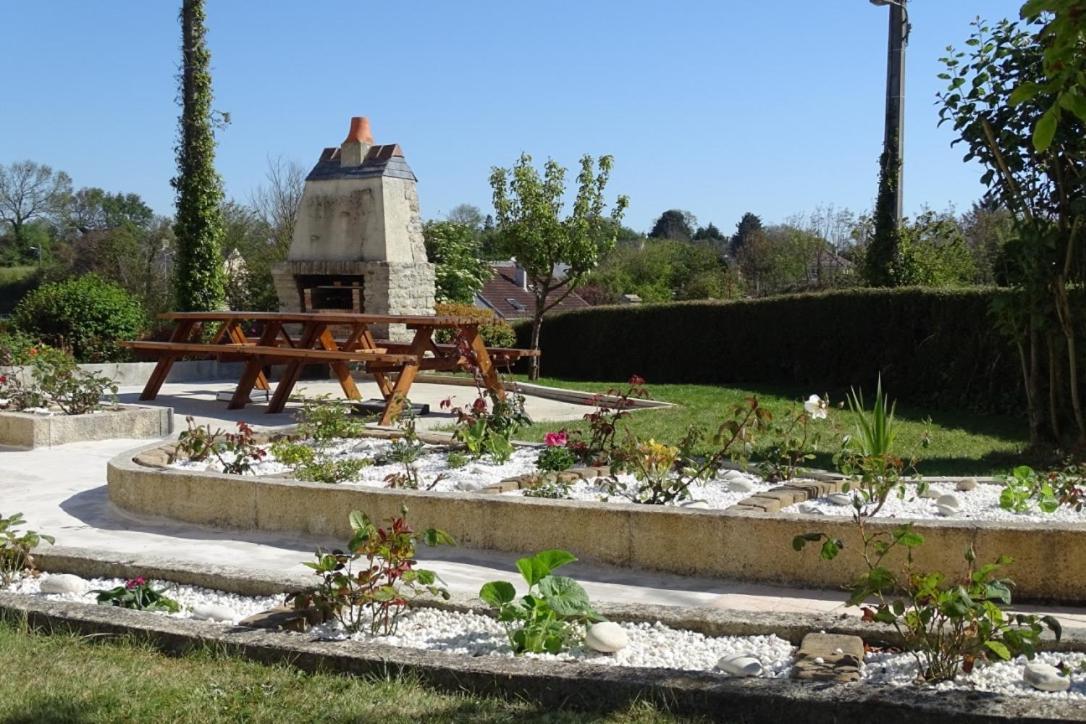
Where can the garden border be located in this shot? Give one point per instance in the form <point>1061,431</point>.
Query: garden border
<point>553,684</point>
<point>741,544</point>
<point>28,430</point>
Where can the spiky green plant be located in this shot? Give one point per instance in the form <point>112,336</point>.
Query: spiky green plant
<point>875,433</point>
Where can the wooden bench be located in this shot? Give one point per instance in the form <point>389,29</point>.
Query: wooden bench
<point>270,352</point>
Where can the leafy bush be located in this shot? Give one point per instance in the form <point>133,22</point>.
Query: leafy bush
<point>549,617</point>
<point>384,582</point>
<point>312,458</point>
<point>15,547</point>
<point>935,347</point>
<point>555,458</point>
<point>459,270</point>
<point>86,315</point>
<point>15,283</point>
<point>495,332</point>
<point>235,451</point>
<point>947,625</point>
<point>137,593</point>
<point>1049,490</point>
<point>56,381</point>
<point>489,430</point>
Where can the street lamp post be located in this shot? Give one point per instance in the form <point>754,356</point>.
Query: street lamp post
<point>894,130</point>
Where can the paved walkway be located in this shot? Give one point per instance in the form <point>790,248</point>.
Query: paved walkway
<point>62,491</point>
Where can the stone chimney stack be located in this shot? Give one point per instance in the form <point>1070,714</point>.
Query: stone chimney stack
<point>357,144</point>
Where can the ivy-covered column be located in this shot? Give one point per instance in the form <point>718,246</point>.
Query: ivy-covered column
<point>198,273</point>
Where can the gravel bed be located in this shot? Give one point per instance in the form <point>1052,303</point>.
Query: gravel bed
<point>650,645</point>
<point>981,503</point>
<point>711,494</point>
<point>187,596</point>
<point>1004,677</point>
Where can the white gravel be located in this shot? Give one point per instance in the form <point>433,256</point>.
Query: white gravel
<point>433,461</point>
<point>187,596</point>
<point>650,645</point>
<point>1004,677</point>
<point>714,493</point>
<point>981,503</point>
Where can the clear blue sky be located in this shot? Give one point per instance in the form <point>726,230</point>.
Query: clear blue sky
<point>715,106</point>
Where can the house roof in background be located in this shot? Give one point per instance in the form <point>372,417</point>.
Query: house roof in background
<point>512,301</point>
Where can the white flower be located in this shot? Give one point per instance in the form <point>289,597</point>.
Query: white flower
<point>815,407</point>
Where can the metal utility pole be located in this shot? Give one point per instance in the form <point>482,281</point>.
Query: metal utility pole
<point>894,135</point>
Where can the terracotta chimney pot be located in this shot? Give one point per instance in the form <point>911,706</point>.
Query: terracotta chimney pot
<point>360,131</point>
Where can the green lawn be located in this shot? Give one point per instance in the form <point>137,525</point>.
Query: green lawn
<point>61,677</point>
<point>960,443</point>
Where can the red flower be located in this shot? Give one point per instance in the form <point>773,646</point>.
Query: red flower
<point>135,582</point>
<point>479,406</point>
<point>555,439</point>
<point>636,380</point>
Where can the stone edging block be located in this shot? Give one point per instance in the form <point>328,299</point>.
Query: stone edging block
<point>28,430</point>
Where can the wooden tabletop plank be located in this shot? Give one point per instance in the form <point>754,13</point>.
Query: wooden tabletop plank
<point>328,317</point>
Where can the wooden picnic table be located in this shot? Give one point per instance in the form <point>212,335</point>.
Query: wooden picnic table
<point>393,365</point>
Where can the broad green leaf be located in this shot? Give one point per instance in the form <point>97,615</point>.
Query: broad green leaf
<point>541,564</point>
<point>1045,130</point>
<point>564,595</point>
<point>1023,93</point>
<point>497,593</point>
<point>999,649</point>
<point>1054,626</point>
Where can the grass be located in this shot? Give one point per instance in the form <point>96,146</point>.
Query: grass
<point>64,677</point>
<point>946,442</point>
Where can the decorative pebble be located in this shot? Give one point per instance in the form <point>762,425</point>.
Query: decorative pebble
<point>930,494</point>
<point>810,509</point>
<point>697,504</point>
<point>740,486</point>
<point>1045,677</point>
<point>740,665</point>
<point>839,498</point>
<point>730,475</point>
<point>607,637</point>
<point>212,612</point>
<point>966,484</point>
<point>948,505</point>
<point>64,583</point>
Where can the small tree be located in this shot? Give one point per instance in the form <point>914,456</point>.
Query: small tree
<point>530,223</point>
<point>198,227</point>
<point>460,272</point>
<point>31,191</point>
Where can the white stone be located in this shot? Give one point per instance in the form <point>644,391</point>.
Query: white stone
<point>471,484</point>
<point>607,637</point>
<point>966,484</point>
<point>1045,677</point>
<point>212,612</point>
<point>697,504</point>
<point>730,475</point>
<point>810,509</point>
<point>839,498</point>
<point>740,665</point>
<point>948,505</point>
<point>64,583</point>
<point>740,485</point>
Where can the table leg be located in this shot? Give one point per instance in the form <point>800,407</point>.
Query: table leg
<point>238,337</point>
<point>491,378</point>
<point>311,332</point>
<point>398,395</point>
<point>341,369</point>
<point>181,332</point>
<point>254,370</point>
<point>383,384</point>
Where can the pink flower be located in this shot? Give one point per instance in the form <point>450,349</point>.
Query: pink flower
<point>135,582</point>
<point>555,439</point>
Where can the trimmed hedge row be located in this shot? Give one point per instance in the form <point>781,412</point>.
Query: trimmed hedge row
<point>932,346</point>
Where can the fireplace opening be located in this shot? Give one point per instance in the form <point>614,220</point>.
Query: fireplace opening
<point>329,293</point>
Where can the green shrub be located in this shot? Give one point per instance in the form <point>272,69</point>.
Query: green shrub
<point>932,346</point>
<point>496,332</point>
<point>87,316</point>
<point>15,283</point>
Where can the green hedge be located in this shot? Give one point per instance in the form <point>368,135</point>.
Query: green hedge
<point>932,346</point>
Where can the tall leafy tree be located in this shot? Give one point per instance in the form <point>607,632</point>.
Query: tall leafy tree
<point>29,192</point>
<point>1043,191</point>
<point>708,233</point>
<point>530,221</point>
<point>674,224</point>
<point>747,226</point>
<point>198,227</point>
<point>454,250</point>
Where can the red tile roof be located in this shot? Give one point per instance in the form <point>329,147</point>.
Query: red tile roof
<point>511,301</point>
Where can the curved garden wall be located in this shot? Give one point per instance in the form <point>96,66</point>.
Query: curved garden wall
<point>932,346</point>
<point>734,543</point>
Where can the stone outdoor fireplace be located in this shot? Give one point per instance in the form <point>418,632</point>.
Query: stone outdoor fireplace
<point>357,244</point>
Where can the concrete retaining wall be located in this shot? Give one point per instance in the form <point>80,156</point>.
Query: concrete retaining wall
<point>27,430</point>
<point>743,545</point>
<point>136,373</point>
